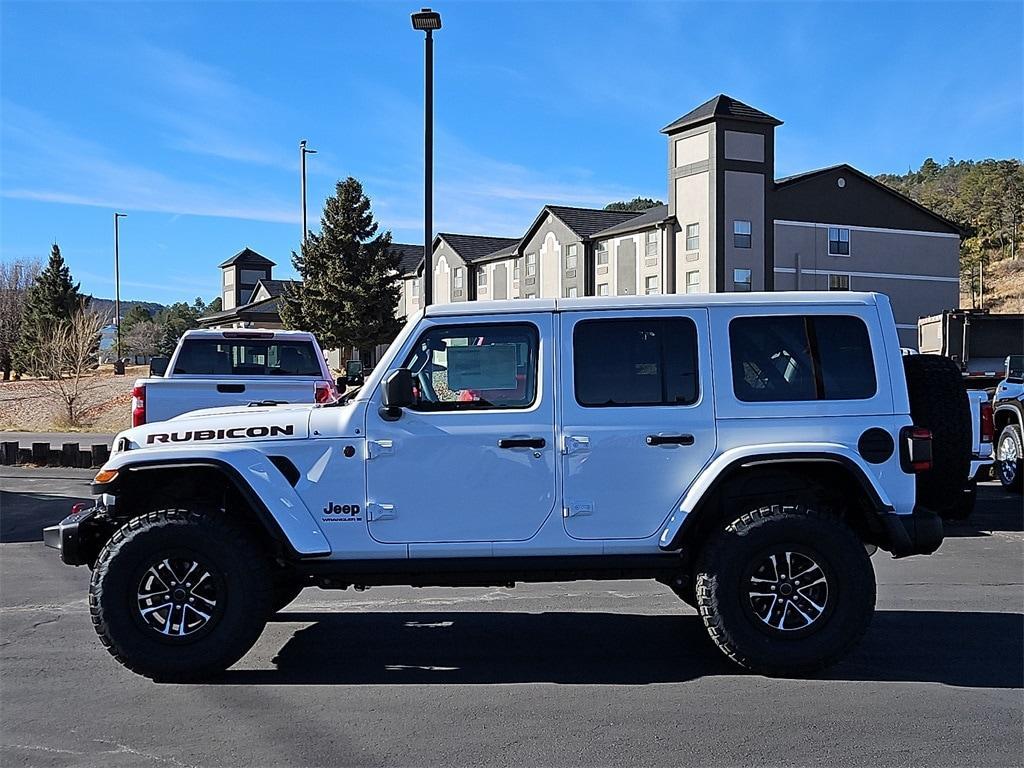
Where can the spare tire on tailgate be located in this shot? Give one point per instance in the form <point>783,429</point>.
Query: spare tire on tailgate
<point>938,401</point>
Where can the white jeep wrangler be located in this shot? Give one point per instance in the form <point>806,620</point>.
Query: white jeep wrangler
<point>748,451</point>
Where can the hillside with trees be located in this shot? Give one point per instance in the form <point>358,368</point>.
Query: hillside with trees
<point>986,199</point>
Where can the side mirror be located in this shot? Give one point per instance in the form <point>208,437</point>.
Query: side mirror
<point>158,366</point>
<point>340,384</point>
<point>398,389</point>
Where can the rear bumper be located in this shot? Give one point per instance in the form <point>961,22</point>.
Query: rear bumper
<point>919,533</point>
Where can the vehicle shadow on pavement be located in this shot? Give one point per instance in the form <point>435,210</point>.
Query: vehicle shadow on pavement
<point>24,515</point>
<point>961,649</point>
<point>997,510</point>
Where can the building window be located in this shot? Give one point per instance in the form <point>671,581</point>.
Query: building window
<point>692,237</point>
<point>652,243</point>
<point>602,289</point>
<point>570,256</point>
<point>741,280</point>
<point>839,282</point>
<point>651,286</point>
<point>515,271</point>
<point>571,292</point>
<point>693,282</point>
<point>481,277</point>
<point>602,253</point>
<point>458,277</point>
<point>416,287</point>
<point>838,241</point>
<point>531,264</point>
<point>531,295</point>
<point>741,233</point>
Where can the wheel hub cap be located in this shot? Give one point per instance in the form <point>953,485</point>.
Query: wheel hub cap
<point>177,597</point>
<point>788,591</point>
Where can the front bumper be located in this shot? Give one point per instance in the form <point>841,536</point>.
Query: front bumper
<point>919,533</point>
<point>76,536</point>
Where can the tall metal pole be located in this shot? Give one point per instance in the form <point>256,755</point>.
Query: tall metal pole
<point>303,151</point>
<point>117,280</point>
<point>428,170</point>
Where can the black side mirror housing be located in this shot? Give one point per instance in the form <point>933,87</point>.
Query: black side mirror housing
<point>158,366</point>
<point>340,384</point>
<point>397,391</point>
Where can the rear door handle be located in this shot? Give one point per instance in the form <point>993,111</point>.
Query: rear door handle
<point>670,439</point>
<point>231,388</point>
<point>522,442</point>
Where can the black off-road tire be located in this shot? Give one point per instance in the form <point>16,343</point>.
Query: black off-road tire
<point>964,506</point>
<point>226,549</point>
<point>1011,474</point>
<point>725,573</point>
<point>939,402</point>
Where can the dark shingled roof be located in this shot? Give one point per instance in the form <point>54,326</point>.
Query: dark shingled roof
<point>248,256</point>
<point>276,287</point>
<point>586,221</point>
<point>648,218</point>
<point>411,258</point>
<point>721,106</point>
<point>503,253</point>
<point>475,247</point>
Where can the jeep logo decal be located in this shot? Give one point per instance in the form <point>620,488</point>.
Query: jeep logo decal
<point>235,433</point>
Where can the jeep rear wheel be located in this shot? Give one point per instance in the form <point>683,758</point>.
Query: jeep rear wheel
<point>785,590</point>
<point>178,595</point>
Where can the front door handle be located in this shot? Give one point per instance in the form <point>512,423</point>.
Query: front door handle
<point>522,442</point>
<point>670,439</point>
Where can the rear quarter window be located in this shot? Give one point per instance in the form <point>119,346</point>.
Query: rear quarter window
<point>786,358</point>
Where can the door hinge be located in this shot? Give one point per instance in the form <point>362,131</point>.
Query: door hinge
<point>575,443</point>
<point>578,508</point>
<point>376,512</point>
<point>377,448</point>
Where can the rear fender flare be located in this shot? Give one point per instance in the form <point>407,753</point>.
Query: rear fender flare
<point>275,502</point>
<point>728,461</point>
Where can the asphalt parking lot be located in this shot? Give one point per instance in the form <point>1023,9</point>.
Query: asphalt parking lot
<point>589,673</point>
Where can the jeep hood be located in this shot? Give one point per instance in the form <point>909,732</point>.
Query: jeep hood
<point>235,424</point>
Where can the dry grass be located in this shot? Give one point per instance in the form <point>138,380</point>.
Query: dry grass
<point>27,406</point>
<point>1004,287</point>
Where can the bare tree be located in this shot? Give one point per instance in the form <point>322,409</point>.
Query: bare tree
<point>67,361</point>
<point>15,278</point>
<point>143,338</point>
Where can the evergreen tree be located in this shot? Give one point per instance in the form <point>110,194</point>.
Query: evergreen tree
<point>137,314</point>
<point>349,289</point>
<point>638,204</point>
<point>52,300</point>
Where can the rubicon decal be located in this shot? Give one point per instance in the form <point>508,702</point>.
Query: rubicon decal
<point>235,433</point>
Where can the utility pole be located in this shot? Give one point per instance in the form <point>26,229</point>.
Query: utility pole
<point>427,21</point>
<point>117,279</point>
<point>303,151</point>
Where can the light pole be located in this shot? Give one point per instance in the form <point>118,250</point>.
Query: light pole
<point>117,280</point>
<point>303,151</point>
<point>427,21</point>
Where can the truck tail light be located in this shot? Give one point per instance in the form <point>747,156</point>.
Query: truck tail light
<point>915,449</point>
<point>138,405</point>
<point>988,427</point>
<point>325,392</point>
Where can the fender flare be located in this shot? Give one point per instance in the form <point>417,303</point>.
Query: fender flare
<point>1016,410</point>
<point>715,473</point>
<point>276,504</point>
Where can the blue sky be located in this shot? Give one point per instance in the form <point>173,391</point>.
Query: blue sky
<point>188,116</point>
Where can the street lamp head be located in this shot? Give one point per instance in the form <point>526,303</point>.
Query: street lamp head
<point>426,20</point>
<point>120,215</point>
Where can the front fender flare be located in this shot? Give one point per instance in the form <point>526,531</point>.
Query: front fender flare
<point>260,482</point>
<point>758,455</point>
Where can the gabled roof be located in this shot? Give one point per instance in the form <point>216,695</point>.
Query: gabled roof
<point>410,258</point>
<point>266,308</point>
<point>584,222</point>
<point>472,248</point>
<point>721,106</point>
<point>502,253</point>
<point>275,287</point>
<point>649,218</point>
<point>248,257</point>
<point>788,182</point>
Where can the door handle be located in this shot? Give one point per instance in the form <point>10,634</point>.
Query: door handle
<point>522,442</point>
<point>670,439</point>
<point>231,388</point>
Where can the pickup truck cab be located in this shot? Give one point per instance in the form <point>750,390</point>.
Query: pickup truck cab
<point>747,451</point>
<point>215,368</point>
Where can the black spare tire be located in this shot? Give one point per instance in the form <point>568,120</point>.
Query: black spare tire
<point>938,401</point>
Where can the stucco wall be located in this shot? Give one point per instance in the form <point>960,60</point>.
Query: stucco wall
<point>744,199</point>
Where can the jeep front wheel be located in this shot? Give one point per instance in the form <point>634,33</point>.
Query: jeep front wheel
<point>785,590</point>
<point>178,595</point>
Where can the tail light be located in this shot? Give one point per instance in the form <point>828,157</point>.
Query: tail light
<point>138,406</point>
<point>915,449</point>
<point>325,392</point>
<point>988,427</point>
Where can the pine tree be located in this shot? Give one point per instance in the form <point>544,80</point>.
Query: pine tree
<point>349,289</point>
<point>52,300</point>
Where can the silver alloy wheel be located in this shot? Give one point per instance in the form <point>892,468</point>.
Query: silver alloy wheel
<point>177,597</point>
<point>1008,459</point>
<point>788,591</point>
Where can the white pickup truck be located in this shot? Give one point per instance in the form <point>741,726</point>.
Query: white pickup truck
<point>214,368</point>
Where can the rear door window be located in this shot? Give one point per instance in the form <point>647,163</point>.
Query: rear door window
<point>248,357</point>
<point>779,358</point>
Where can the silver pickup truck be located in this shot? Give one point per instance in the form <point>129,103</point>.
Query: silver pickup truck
<point>215,368</point>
